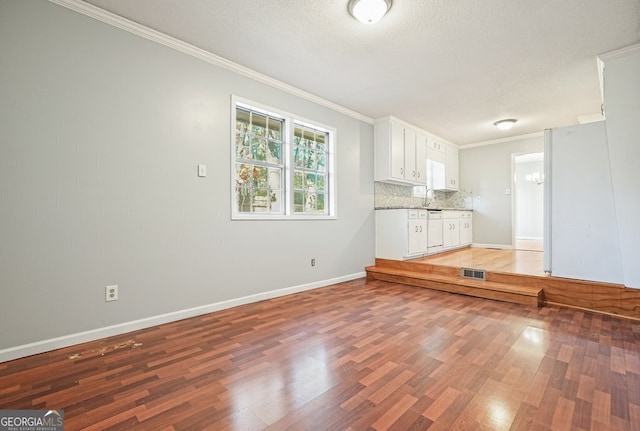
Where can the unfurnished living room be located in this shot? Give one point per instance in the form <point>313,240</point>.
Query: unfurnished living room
<point>312,215</point>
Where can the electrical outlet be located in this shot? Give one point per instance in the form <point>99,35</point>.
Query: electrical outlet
<point>111,293</point>
<point>313,262</point>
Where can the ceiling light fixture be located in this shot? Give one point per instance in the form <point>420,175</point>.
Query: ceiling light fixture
<point>505,124</point>
<point>369,11</point>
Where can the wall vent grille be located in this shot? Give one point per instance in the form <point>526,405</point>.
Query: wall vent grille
<point>476,274</point>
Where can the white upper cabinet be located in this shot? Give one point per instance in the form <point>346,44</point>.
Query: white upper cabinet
<point>421,158</point>
<point>451,168</point>
<point>402,155</point>
<point>409,154</point>
<point>442,166</point>
<point>391,141</point>
<point>436,145</point>
<point>435,165</point>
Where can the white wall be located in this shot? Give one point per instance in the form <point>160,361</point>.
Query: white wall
<point>486,171</point>
<point>100,135</point>
<point>622,110</point>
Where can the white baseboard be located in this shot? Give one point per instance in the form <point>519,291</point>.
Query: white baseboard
<point>122,328</point>
<point>498,246</point>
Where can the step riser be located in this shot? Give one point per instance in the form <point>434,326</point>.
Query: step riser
<point>418,267</point>
<point>458,288</point>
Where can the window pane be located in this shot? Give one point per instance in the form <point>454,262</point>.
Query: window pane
<point>298,180</point>
<point>320,202</point>
<point>243,147</point>
<point>260,176</point>
<point>309,202</point>
<point>243,198</point>
<point>259,124</point>
<point>275,152</point>
<point>275,178</point>
<point>321,159</point>
<point>320,183</point>
<point>298,201</point>
<point>274,129</point>
<point>309,159</point>
<point>259,149</point>
<point>298,157</point>
<point>310,182</point>
<point>277,201</point>
<point>242,120</point>
<point>261,200</point>
<point>244,174</point>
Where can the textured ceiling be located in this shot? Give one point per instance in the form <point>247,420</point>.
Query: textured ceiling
<point>451,67</point>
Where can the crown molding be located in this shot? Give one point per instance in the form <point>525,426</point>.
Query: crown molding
<point>173,43</point>
<point>622,52</point>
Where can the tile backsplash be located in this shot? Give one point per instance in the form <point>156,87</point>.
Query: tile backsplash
<point>400,196</point>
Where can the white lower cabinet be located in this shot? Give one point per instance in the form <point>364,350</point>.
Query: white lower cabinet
<point>450,229</point>
<point>401,233</point>
<point>466,228</point>
<point>456,229</point>
<point>409,233</point>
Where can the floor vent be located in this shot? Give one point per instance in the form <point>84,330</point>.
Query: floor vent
<point>476,274</point>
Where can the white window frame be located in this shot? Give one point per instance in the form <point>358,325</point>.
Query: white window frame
<point>290,120</point>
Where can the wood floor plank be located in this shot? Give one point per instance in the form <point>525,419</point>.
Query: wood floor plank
<point>361,355</point>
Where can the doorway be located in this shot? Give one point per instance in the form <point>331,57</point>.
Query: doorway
<point>527,201</point>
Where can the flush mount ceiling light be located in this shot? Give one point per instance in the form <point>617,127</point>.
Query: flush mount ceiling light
<point>505,124</point>
<point>369,11</point>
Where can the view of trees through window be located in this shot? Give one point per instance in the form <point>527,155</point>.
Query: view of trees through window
<point>276,173</point>
<point>310,176</point>
<point>259,162</point>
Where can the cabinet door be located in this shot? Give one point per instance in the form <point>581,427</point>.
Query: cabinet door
<point>435,145</point>
<point>451,168</point>
<point>466,230</point>
<point>409,154</point>
<point>396,134</point>
<point>450,233</point>
<point>421,159</point>
<point>417,236</point>
<point>435,170</point>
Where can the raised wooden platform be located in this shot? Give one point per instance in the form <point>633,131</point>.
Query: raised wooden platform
<point>448,279</point>
<point>512,276</point>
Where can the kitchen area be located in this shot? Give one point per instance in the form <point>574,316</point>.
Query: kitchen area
<point>420,208</point>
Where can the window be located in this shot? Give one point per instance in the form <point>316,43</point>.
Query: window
<point>282,165</point>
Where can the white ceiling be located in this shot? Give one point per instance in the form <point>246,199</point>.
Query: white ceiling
<point>451,67</point>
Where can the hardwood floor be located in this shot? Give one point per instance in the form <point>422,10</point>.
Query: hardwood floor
<point>513,269</point>
<point>354,356</point>
<point>524,262</point>
<point>528,244</point>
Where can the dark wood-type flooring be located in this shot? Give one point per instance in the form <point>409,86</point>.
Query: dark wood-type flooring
<point>354,356</point>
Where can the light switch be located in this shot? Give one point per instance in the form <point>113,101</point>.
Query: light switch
<point>202,170</point>
<point>507,191</point>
